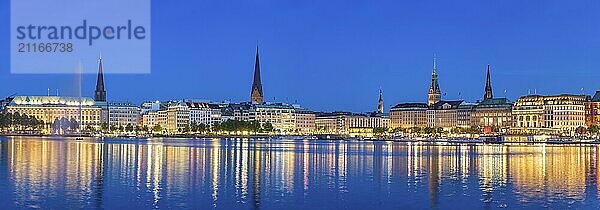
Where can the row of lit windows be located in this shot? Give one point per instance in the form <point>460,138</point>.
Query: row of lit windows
<point>566,108</point>
<point>527,124</point>
<point>527,118</point>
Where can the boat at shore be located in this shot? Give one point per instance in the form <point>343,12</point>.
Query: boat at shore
<point>570,141</point>
<point>492,139</point>
<point>560,141</point>
<point>465,141</point>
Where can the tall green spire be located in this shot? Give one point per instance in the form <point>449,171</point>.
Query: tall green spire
<point>434,94</point>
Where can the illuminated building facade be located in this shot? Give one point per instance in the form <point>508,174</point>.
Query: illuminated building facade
<point>177,117</point>
<point>365,121</point>
<point>174,116</point>
<point>493,114</point>
<point>149,113</point>
<point>327,123</point>
<point>122,114</point>
<point>409,115</point>
<point>171,116</point>
<point>305,121</point>
<point>450,114</point>
<point>149,119</point>
<point>592,110</point>
<point>344,123</point>
<point>204,113</point>
<point>281,116</point>
<point>558,114</point>
<point>239,111</point>
<point>465,115</point>
<point>161,118</point>
<point>51,108</point>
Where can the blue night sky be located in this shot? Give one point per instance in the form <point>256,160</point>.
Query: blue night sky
<point>335,55</point>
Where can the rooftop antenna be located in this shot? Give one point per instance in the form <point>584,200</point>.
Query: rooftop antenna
<point>435,58</point>
<point>56,92</point>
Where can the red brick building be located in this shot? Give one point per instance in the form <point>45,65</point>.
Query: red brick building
<point>592,110</point>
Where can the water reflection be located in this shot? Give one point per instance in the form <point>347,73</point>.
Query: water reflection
<point>264,174</point>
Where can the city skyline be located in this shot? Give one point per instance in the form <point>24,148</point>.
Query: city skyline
<point>99,93</point>
<point>319,67</point>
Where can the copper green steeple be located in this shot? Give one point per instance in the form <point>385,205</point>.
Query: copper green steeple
<point>434,94</point>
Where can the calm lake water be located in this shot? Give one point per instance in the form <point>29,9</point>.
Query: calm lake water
<point>293,174</point>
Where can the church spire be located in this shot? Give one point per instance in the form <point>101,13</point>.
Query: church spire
<point>488,85</point>
<point>434,94</point>
<point>100,94</point>
<point>256,95</point>
<point>380,102</point>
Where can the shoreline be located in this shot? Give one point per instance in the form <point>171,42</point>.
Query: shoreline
<point>316,138</point>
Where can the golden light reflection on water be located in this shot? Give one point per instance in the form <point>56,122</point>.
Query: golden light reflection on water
<point>550,170</point>
<point>253,172</point>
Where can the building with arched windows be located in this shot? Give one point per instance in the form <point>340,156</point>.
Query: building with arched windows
<point>557,114</point>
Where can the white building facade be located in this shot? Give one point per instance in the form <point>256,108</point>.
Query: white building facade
<point>122,114</point>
